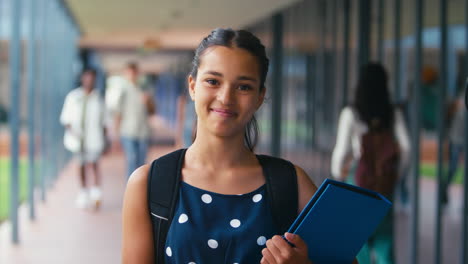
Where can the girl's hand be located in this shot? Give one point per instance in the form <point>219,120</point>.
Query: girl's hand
<point>278,251</point>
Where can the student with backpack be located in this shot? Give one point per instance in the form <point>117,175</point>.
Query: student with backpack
<point>374,133</point>
<point>218,202</point>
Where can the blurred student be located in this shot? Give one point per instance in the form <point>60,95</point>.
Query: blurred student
<point>456,143</point>
<point>373,132</point>
<point>429,97</point>
<point>132,119</point>
<point>84,118</point>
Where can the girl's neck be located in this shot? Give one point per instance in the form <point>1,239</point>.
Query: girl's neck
<point>209,151</point>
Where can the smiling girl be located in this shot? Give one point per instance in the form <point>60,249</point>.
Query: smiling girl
<point>222,213</point>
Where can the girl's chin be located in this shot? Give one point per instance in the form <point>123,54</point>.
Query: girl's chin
<point>226,133</point>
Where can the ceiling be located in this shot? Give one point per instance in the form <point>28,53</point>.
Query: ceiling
<point>163,24</point>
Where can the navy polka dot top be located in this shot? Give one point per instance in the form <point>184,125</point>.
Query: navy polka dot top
<point>216,228</point>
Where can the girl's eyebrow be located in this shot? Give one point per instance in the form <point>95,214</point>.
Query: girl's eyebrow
<point>214,73</point>
<point>247,78</point>
<point>242,77</point>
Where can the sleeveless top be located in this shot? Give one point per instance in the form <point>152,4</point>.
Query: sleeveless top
<point>216,228</point>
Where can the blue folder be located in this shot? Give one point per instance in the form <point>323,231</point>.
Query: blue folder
<point>338,220</point>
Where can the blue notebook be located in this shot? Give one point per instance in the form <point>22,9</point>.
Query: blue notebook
<point>338,220</point>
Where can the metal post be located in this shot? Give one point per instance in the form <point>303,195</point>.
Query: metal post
<point>15,68</point>
<point>332,76</point>
<point>397,47</point>
<point>60,86</point>
<point>52,95</point>
<point>31,105</point>
<point>416,120</point>
<point>464,248</point>
<point>364,31</point>
<point>58,42</point>
<point>346,27</point>
<point>45,85</point>
<point>380,36</point>
<point>440,128</point>
<point>313,94</point>
<point>40,91</point>
<point>66,82</point>
<point>53,88</point>
<point>310,87</point>
<point>277,80</point>
<point>321,84</point>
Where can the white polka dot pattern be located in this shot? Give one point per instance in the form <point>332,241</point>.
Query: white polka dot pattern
<point>206,198</point>
<point>213,243</point>
<point>227,214</point>
<point>261,241</point>
<point>169,251</point>
<point>183,218</point>
<point>257,198</point>
<point>235,223</point>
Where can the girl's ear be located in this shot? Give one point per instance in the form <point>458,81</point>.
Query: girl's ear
<point>191,87</point>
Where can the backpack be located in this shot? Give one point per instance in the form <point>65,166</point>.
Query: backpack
<point>163,190</point>
<point>377,168</point>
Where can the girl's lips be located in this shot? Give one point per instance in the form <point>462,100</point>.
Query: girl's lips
<point>223,112</point>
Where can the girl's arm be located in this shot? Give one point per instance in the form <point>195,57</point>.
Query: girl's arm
<point>137,240</point>
<point>306,188</point>
<point>401,134</point>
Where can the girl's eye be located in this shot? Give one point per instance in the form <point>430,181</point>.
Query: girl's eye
<point>212,82</point>
<point>245,87</point>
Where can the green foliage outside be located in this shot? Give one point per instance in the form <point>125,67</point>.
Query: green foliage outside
<point>5,185</point>
<point>429,170</point>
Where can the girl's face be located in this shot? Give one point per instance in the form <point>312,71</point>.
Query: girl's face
<point>226,91</point>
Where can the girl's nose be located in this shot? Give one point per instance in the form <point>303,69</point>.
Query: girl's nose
<point>226,95</point>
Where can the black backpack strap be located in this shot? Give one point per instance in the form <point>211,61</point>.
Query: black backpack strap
<point>163,186</point>
<point>281,180</point>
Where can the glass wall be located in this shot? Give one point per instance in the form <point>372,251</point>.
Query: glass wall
<point>39,64</point>
<point>320,66</point>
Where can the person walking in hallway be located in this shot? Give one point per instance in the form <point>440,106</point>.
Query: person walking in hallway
<point>373,132</point>
<point>85,119</point>
<point>133,110</point>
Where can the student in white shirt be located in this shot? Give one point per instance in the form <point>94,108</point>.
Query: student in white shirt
<point>132,112</point>
<point>372,104</point>
<point>84,118</point>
